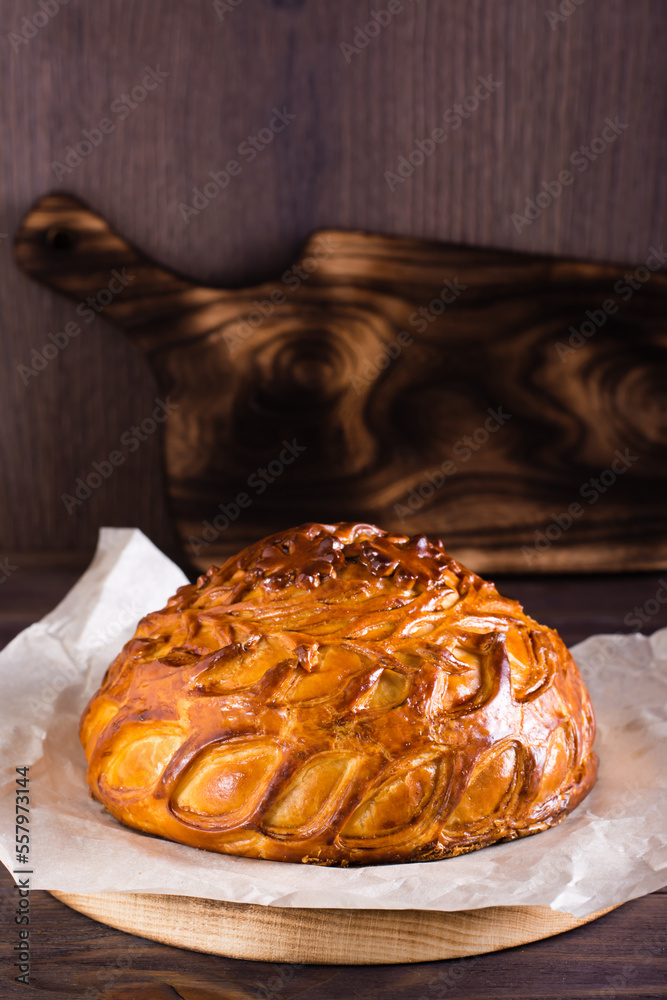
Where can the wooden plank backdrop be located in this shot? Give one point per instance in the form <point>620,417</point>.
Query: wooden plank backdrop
<point>132,106</point>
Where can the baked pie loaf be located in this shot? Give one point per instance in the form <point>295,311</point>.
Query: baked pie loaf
<point>339,695</point>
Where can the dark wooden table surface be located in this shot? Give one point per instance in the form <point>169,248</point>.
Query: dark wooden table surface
<point>620,956</point>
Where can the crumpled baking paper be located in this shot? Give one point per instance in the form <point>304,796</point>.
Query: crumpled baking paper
<point>612,848</point>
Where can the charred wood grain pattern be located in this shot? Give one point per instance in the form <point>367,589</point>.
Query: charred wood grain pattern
<point>375,398</point>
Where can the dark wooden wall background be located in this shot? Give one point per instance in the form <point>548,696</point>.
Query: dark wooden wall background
<point>353,121</point>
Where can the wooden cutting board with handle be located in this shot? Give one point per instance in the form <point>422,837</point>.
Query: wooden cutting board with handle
<point>513,404</point>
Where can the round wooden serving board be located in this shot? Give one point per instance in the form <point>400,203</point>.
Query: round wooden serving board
<point>322,936</point>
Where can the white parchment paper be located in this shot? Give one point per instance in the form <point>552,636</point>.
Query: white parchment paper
<point>609,850</point>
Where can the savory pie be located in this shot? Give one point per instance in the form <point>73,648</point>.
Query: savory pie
<point>339,695</point>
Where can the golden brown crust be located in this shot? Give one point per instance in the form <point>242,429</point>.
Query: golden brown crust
<point>339,695</point>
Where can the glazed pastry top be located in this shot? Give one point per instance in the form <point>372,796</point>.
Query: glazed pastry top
<point>341,695</point>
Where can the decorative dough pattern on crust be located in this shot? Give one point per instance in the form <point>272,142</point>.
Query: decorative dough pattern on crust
<point>339,695</point>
